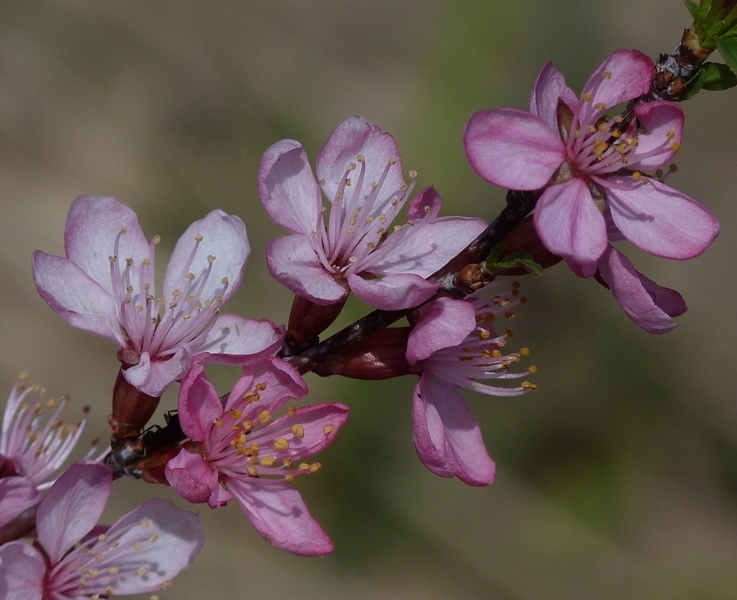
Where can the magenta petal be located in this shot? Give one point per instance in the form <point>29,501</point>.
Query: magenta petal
<point>429,247</point>
<point>154,376</point>
<point>570,225</point>
<point>443,323</point>
<point>425,204</point>
<point>191,477</point>
<point>659,219</point>
<point>447,438</point>
<point>16,495</point>
<point>72,507</point>
<point>549,88</point>
<point>393,292</point>
<point>650,306</point>
<point>279,514</point>
<point>220,236</point>
<point>659,134</point>
<point>22,571</point>
<point>236,340</point>
<point>161,537</point>
<point>93,224</point>
<point>76,297</point>
<point>512,149</point>
<point>288,189</point>
<point>626,74</point>
<point>280,380</point>
<point>358,137</point>
<point>198,404</point>
<point>293,263</point>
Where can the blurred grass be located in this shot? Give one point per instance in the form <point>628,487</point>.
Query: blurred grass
<point>617,479</point>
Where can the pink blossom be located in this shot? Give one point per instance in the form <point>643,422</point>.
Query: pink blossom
<point>453,345</point>
<point>360,172</point>
<point>591,167</point>
<point>73,559</point>
<point>239,449</point>
<point>33,446</point>
<point>106,286</point>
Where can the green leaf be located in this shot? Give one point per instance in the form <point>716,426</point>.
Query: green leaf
<point>718,77</point>
<point>728,48</point>
<point>693,8</point>
<point>694,85</point>
<point>515,260</point>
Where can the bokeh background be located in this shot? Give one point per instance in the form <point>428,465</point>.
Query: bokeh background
<point>617,479</point>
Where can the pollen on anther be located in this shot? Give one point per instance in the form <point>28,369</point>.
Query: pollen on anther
<point>532,369</point>
<point>524,351</point>
<point>328,429</point>
<point>198,238</point>
<point>265,416</point>
<point>297,430</point>
<point>281,444</point>
<point>413,174</point>
<point>586,97</point>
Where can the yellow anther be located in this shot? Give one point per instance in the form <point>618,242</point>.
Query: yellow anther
<point>328,429</point>
<point>675,146</point>
<point>532,369</point>
<point>304,467</point>
<point>524,351</point>
<point>288,463</point>
<point>315,467</point>
<point>586,97</point>
<point>289,478</point>
<point>281,444</point>
<point>265,416</point>
<point>252,471</point>
<point>298,430</point>
<point>496,353</point>
<point>235,413</point>
<point>266,461</point>
<point>292,411</point>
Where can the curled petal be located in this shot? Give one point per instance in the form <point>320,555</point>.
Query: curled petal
<point>512,149</point>
<point>288,189</point>
<point>444,323</point>
<point>659,135</point>
<point>279,514</point>
<point>279,382</point>
<point>425,204</point>
<point>194,479</point>
<point>570,225</point>
<point>198,404</point>
<point>650,306</point>
<point>549,88</point>
<point>153,377</point>
<point>659,219</point>
<point>447,438</point>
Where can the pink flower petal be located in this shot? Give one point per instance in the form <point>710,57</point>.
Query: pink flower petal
<point>447,438</point>
<point>193,478</point>
<point>280,381</point>
<point>659,219</point>
<point>570,225</point>
<point>444,323</point>
<point>549,88</point>
<point>72,507</point>
<point>393,292</point>
<point>93,224</point>
<point>288,189</point>
<point>235,340</point>
<point>425,204</point>
<point>659,136</point>
<point>624,75</point>
<point>512,149</point>
<point>153,377</point>
<point>650,306</point>
<point>279,514</point>
<point>76,297</point>
<point>357,137</point>
<point>16,495</point>
<point>293,263</point>
<point>222,236</point>
<point>22,571</point>
<point>198,404</point>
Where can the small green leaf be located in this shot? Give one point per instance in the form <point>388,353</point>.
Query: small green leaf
<point>516,260</point>
<point>694,85</point>
<point>693,8</point>
<point>728,48</point>
<point>718,77</point>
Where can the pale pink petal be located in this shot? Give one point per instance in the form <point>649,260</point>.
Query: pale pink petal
<point>512,149</point>
<point>288,189</point>
<point>320,424</point>
<point>153,377</point>
<point>425,204</point>
<point>75,297</point>
<point>659,134</point>
<point>626,74</point>
<point>235,340</point>
<point>659,219</point>
<point>280,381</point>
<point>198,404</point>
<point>549,88</point>
<point>93,224</point>
<point>356,137</point>
<point>570,225</point>
<point>279,514</point>
<point>22,571</point>
<point>221,236</point>
<point>393,292</point>
<point>428,248</point>
<point>293,263</point>
<point>160,538</point>
<point>16,495</point>
<point>650,306</point>
<point>447,438</point>
<point>444,323</point>
<point>193,478</point>
<point>72,507</point>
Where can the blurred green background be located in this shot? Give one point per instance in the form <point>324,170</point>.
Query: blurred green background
<point>617,479</point>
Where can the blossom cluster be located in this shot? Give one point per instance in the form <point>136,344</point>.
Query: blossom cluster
<point>590,163</point>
